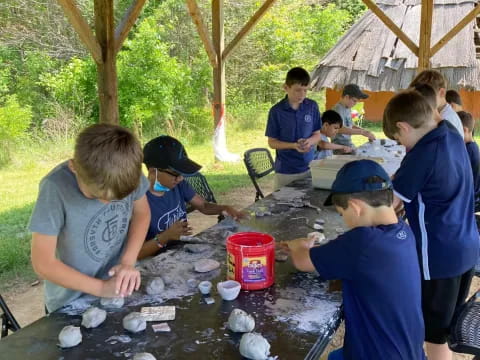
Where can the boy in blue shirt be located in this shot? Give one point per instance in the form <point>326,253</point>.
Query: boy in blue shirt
<point>377,263</point>
<point>435,182</point>
<point>331,122</point>
<point>473,152</point>
<point>293,129</point>
<point>167,163</point>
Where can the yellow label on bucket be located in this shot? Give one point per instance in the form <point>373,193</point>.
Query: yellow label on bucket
<point>230,266</point>
<point>254,269</point>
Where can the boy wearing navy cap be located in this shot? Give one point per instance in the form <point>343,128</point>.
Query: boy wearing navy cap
<point>436,184</point>
<point>377,263</point>
<point>293,129</point>
<point>167,163</point>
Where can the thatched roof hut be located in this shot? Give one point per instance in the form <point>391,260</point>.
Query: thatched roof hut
<point>372,56</point>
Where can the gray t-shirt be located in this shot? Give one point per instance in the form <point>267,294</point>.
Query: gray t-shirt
<point>451,116</point>
<point>90,235</point>
<point>322,153</point>
<point>346,114</point>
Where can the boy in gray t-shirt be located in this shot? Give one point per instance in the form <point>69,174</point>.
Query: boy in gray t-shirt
<point>91,218</point>
<point>331,123</point>
<point>351,94</point>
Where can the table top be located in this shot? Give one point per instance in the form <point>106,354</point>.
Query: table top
<point>292,314</point>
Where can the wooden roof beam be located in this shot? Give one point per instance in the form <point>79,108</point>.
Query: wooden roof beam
<point>392,26</point>
<point>82,28</point>
<point>426,16</point>
<point>196,15</point>
<point>127,23</point>
<point>456,29</point>
<point>247,27</point>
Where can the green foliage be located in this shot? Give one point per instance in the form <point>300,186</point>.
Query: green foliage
<point>356,8</point>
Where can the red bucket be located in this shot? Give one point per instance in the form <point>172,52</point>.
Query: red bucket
<point>251,259</point>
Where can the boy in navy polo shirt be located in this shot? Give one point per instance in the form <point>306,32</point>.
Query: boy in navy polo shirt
<point>293,129</point>
<point>473,152</point>
<point>167,163</point>
<point>377,263</point>
<point>435,182</point>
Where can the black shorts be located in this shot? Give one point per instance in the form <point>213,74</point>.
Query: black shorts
<point>440,299</point>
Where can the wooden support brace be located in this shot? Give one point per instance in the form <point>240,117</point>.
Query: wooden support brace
<point>247,27</point>
<point>456,29</point>
<point>196,15</point>
<point>426,16</point>
<point>127,22</point>
<point>82,28</point>
<point>392,26</point>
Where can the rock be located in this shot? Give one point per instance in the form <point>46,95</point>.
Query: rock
<point>197,248</point>
<point>144,356</point>
<point>93,317</point>
<point>254,346</point>
<point>155,286</point>
<point>240,321</point>
<point>206,265</point>
<point>70,336</point>
<point>112,303</point>
<point>134,322</point>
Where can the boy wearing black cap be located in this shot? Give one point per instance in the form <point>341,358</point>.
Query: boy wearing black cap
<point>435,183</point>
<point>377,263</point>
<point>351,94</point>
<point>167,163</point>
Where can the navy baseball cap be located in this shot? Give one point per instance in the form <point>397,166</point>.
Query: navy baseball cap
<point>166,152</point>
<point>352,178</point>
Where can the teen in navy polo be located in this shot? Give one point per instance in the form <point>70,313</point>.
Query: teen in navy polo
<point>293,129</point>
<point>377,263</point>
<point>435,182</point>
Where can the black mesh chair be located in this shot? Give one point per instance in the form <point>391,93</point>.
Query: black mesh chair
<point>465,331</point>
<point>259,163</point>
<point>199,183</point>
<point>8,321</point>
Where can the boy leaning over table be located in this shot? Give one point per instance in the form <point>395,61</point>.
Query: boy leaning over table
<point>435,183</point>
<point>90,219</point>
<point>377,263</point>
<point>293,129</point>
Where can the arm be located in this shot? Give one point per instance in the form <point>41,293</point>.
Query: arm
<point>209,208</point>
<point>48,267</point>
<point>300,253</point>
<point>281,145</point>
<point>325,145</point>
<point>356,130</point>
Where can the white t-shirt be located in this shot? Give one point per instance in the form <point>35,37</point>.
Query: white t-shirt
<point>451,116</point>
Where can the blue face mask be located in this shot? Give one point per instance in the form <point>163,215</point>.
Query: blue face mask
<point>159,187</point>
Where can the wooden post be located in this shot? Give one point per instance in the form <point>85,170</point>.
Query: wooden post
<point>425,35</point>
<point>127,22</point>
<point>107,70</point>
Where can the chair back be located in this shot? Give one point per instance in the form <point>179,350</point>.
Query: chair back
<point>465,329</point>
<point>259,163</point>
<point>8,320</point>
<point>199,183</point>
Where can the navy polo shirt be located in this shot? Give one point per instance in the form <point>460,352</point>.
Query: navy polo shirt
<point>289,125</point>
<point>381,286</point>
<point>435,182</point>
<point>169,208</point>
<point>474,155</point>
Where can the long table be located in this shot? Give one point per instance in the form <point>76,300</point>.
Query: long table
<point>297,315</point>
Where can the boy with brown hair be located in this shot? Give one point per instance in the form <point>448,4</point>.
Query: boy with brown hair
<point>453,98</point>
<point>435,183</point>
<point>436,80</point>
<point>90,218</point>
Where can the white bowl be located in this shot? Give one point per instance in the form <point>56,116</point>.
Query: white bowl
<point>229,289</point>
<point>205,287</point>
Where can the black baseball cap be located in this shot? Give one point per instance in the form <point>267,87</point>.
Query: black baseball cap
<point>352,178</point>
<point>353,90</point>
<point>166,152</point>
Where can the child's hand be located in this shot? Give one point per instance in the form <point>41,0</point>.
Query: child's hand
<point>301,243</point>
<point>347,149</point>
<point>302,146</point>
<point>178,229</point>
<point>127,279</point>
<point>368,135</point>
<point>230,211</point>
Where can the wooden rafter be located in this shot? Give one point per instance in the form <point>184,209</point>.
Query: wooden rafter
<point>82,28</point>
<point>247,27</point>
<point>127,22</point>
<point>392,26</point>
<point>426,16</point>
<point>456,29</point>
<point>196,15</point>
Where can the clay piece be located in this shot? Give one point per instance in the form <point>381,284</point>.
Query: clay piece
<point>144,356</point>
<point>206,265</point>
<point>205,287</point>
<point>240,321</point>
<point>196,248</point>
<point>339,230</point>
<point>155,286</point>
<point>192,283</point>
<point>319,221</point>
<point>70,336</point>
<point>254,346</point>
<point>317,237</point>
<point>281,256</point>
<point>229,289</point>
<point>93,317</point>
<point>134,322</point>
<point>112,303</point>
<point>318,226</point>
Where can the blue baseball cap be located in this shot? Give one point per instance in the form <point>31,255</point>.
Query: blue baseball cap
<point>352,178</point>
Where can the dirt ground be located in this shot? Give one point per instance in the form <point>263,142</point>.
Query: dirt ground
<point>26,301</point>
